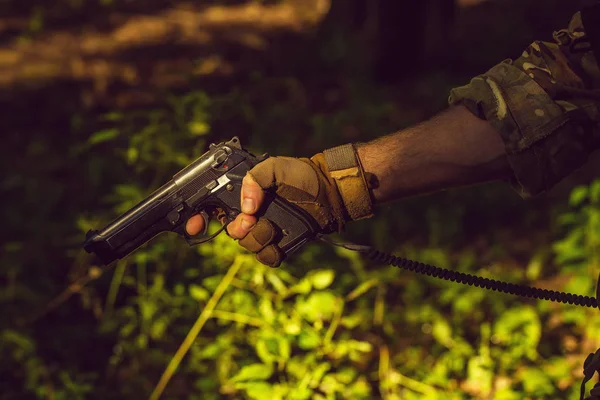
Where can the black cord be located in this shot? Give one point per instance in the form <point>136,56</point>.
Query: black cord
<point>468,279</point>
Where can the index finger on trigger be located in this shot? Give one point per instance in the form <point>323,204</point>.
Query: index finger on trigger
<point>194,225</point>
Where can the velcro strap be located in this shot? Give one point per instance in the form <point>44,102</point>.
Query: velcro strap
<point>344,167</point>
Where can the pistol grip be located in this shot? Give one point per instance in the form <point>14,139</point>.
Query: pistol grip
<point>295,226</point>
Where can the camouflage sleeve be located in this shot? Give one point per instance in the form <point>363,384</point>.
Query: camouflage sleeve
<point>546,106</point>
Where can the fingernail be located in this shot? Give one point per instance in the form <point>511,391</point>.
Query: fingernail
<point>248,205</point>
<point>246,225</point>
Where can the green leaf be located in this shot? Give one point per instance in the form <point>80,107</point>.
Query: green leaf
<point>507,394</point>
<point>520,329</point>
<point>442,332</point>
<point>362,288</point>
<point>303,287</point>
<point>301,394</point>
<point>536,382</point>
<point>534,268</point>
<point>308,339</point>
<point>480,374</point>
<point>292,326</point>
<point>578,195</point>
<point>352,320</point>
<point>211,350</point>
<point>212,282</point>
<point>266,310</point>
<point>198,128</point>
<point>132,155</point>
<point>360,389</point>
<point>262,351</point>
<point>318,305</point>
<point>103,136</point>
<point>322,278</point>
<point>198,293</point>
<point>364,347</point>
<point>256,390</point>
<point>253,372</point>
<point>580,285</point>
<point>277,283</point>
<point>594,192</point>
<point>113,117</point>
<point>159,326</point>
<point>318,373</point>
<point>285,348</point>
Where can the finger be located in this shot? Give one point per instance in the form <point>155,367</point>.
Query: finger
<point>252,195</point>
<point>271,256</point>
<point>240,226</point>
<point>194,225</point>
<point>261,235</point>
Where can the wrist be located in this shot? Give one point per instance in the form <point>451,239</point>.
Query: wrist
<point>352,182</point>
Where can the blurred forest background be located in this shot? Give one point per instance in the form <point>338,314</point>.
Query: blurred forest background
<point>101,101</point>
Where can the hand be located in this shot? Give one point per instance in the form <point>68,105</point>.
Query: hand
<point>304,182</point>
<point>252,198</point>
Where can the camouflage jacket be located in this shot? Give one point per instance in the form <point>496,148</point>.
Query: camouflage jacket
<point>546,106</point>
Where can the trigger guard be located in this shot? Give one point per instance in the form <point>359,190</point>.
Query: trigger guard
<point>206,219</point>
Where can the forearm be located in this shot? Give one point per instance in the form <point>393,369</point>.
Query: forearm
<point>455,148</point>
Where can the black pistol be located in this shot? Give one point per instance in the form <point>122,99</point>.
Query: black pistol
<point>210,185</point>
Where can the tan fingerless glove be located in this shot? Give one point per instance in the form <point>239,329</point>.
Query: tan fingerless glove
<point>330,186</point>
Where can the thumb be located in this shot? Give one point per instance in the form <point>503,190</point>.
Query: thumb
<point>252,195</point>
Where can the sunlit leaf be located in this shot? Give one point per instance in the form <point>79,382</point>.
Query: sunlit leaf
<point>352,320</point>
<point>292,326</point>
<point>442,332</point>
<point>318,373</point>
<point>583,285</point>
<point>211,350</point>
<point>594,192</point>
<point>362,288</point>
<point>103,136</point>
<point>256,390</point>
<point>198,292</point>
<point>265,308</point>
<point>303,287</point>
<point>308,339</point>
<point>253,372</point>
<point>132,155</point>
<point>198,128</point>
<point>578,195</point>
<point>159,326</point>
<point>285,348</point>
<point>480,375</point>
<point>364,347</point>
<point>536,382</point>
<point>262,350</point>
<point>318,305</point>
<point>322,278</point>
<point>212,282</point>
<point>113,116</point>
<point>301,394</point>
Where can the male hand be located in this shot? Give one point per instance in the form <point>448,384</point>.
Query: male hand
<point>304,182</point>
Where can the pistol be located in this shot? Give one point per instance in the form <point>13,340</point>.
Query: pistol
<point>209,186</point>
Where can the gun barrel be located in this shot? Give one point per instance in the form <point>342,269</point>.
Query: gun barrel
<point>135,227</point>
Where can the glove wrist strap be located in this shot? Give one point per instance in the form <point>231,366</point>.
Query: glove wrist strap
<point>345,168</point>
